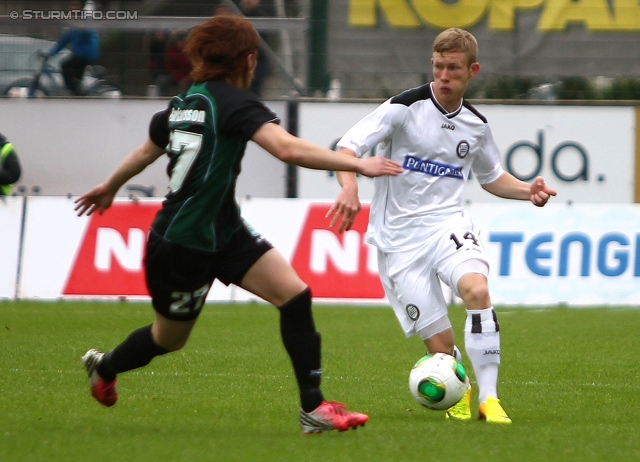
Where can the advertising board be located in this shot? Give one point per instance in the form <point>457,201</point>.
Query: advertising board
<point>578,255</point>
<point>11,209</point>
<point>587,154</point>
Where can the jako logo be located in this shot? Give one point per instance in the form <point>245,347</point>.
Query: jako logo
<point>337,265</point>
<point>109,261</point>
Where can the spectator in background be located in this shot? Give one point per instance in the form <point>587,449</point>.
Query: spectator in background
<point>156,45</point>
<point>84,45</point>
<point>176,61</point>
<point>255,8</point>
<point>10,169</point>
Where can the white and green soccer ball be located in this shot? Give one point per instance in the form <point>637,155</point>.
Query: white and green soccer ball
<point>437,381</point>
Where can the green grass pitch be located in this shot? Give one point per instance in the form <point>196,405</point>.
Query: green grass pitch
<point>569,379</point>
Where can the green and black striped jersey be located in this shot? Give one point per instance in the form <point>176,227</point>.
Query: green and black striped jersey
<point>205,134</point>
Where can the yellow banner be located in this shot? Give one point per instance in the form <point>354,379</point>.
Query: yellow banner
<point>555,15</point>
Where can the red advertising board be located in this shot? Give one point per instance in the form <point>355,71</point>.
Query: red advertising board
<point>336,265</point>
<point>109,260</point>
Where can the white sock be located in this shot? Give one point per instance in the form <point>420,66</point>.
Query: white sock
<point>482,343</point>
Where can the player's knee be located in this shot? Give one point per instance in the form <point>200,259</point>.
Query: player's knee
<point>171,341</point>
<point>470,278</point>
<point>476,294</point>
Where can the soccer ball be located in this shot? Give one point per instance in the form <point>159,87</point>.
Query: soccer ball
<point>438,381</point>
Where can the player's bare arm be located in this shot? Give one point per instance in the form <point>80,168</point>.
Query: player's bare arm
<point>509,187</point>
<point>347,203</point>
<point>293,150</point>
<point>101,196</point>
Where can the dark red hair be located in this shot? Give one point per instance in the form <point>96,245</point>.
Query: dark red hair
<point>217,48</point>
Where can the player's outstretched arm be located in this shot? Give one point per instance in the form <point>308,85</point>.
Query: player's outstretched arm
<point>509,187</point>
<point>293,150</point>
<point>101,196</point>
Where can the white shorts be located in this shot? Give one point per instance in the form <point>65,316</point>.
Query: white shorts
<point>411,279</point>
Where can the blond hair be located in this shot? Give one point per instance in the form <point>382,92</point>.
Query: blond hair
<point>457,40</point>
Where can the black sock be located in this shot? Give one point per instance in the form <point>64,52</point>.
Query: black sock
<point>302,342</point>
<point>136,351</point>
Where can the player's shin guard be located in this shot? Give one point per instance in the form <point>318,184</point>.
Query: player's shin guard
<point>302,342</point>
<point>482,343</point>
<point>136,351</point>
<point>457,354</point>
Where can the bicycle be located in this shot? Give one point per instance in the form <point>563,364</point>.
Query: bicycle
<point>47,81</point>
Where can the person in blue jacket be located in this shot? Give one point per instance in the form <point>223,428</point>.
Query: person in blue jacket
<point>84,45</point>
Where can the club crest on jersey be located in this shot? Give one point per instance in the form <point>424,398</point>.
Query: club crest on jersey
<point>462,149</point>
<point>412,311</point>
<point>429,167</point>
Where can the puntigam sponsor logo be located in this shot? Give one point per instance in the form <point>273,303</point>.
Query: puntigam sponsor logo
<point>429,167</point>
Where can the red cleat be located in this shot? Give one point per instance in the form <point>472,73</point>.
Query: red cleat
<point>104,392</point>
<point>331,416</point>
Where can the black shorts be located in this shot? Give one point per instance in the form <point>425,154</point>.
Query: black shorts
<point>179,277</point>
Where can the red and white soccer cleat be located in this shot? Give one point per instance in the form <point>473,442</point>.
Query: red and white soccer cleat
<point>331,415</point>
<point>104,392</point>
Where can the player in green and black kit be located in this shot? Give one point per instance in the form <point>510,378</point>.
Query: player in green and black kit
<point>199,235</point>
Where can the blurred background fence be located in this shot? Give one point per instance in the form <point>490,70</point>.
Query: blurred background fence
<point>533,50</point>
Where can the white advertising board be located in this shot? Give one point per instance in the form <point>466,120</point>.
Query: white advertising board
<point>10,225</point>
<point>51,236</point>
<point>560,254</point>
<point>88,257</point>
<point>85,140</point>
<point>586,153</point>
<point>581,255</point>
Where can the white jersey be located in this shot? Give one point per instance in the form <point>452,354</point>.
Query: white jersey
<point>437,150</point>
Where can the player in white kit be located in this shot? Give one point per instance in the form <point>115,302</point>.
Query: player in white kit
<point>417,221</point>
